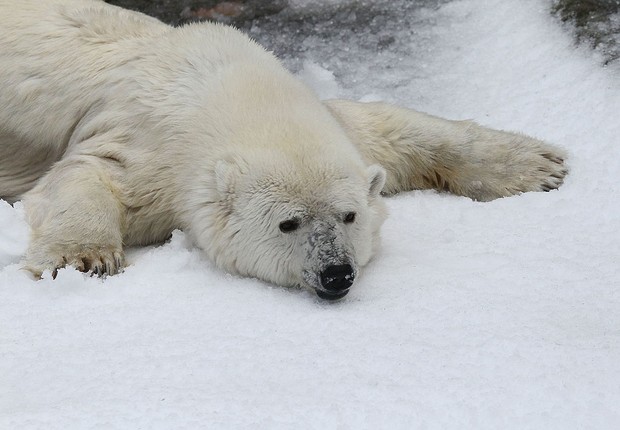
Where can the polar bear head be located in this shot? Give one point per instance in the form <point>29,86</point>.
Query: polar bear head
<point>293,221</point>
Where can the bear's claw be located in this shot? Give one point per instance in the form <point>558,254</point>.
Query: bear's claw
<point>98,261</point>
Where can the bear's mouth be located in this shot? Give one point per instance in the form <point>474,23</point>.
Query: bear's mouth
<point>326,295</point>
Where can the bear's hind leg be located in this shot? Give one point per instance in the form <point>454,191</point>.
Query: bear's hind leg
<point>76,218</point>
<point>420,151</point>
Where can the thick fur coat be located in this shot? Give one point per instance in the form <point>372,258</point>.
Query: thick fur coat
<point>116,129</point>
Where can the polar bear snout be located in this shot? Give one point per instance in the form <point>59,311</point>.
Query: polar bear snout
<point>338,278</point>
<point>336,281</point>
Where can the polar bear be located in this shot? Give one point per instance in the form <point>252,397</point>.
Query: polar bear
<point>116,129</point>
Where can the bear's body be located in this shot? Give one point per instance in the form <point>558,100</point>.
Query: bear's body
<point>116,129</point>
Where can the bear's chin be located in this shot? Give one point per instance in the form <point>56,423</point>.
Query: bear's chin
<point>331,296</point>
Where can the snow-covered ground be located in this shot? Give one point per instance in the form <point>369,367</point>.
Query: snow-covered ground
<point>474,315</point>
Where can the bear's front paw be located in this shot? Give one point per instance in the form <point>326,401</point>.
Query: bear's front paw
<point>543,171</point>
<point>522,165</point>
<point>99,260</point>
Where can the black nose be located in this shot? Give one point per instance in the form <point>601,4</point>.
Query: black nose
<point>337,278</point>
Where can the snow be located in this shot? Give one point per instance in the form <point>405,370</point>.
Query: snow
<point>474,315</point>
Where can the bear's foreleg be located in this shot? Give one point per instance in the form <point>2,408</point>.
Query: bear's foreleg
<point>76,218</point>
<point>420,151</point>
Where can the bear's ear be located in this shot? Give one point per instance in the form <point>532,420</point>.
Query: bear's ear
<point>376,179</point>
<point>225,178</point>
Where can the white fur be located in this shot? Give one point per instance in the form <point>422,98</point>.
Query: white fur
<point>116,129</point>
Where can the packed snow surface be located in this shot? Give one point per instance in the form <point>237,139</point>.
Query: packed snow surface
<point>500,315</point>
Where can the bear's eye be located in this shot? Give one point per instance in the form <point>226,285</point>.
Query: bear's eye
<point>349,218</point>
<point>289,225</point>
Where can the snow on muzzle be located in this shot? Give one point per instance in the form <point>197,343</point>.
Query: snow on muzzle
<point>330,267</point>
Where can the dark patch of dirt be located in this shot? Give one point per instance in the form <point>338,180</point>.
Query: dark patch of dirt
<point>178,12</point>
<point>596,22</point>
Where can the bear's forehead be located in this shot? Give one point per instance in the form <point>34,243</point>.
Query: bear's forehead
<point>306,176</point>
<point>309,193</point>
